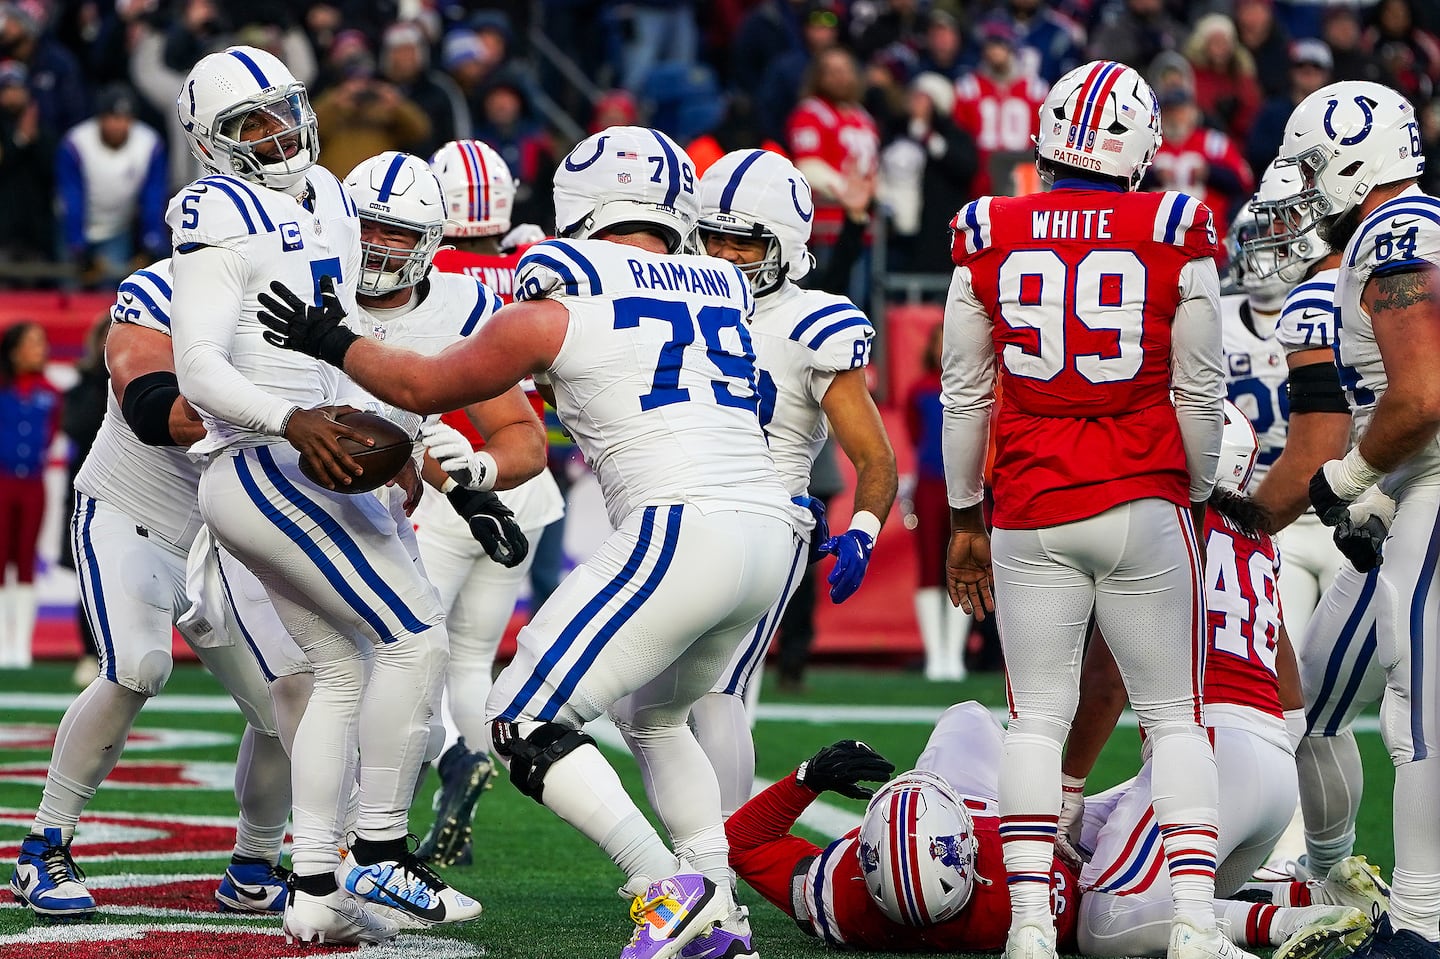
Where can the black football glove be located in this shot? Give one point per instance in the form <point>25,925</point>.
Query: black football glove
<point>1329,505</point>
<point>296,325</point>
<point>842,766</point>
<point>492,524</point>
<point>1362,543</point>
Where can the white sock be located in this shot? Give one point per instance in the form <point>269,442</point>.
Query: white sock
<point>88,743</point>
<point>953,636</point>
<point>24,608</point>
<point>7,631</point>
<point>929,613</point>
<point>1185,796</point>
<point>1029,811</point>
<point>262,789</point>
<point>1332,781</point>
<point>323,756</point>
<point>722,727</point>
<point>1415,884</point>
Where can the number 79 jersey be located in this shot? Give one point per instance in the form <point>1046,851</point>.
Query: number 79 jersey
<point>1081,287</point>
<point>656,379</point>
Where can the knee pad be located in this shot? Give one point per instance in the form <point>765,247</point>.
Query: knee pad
<point>152,673</point>
<point>531,756</point>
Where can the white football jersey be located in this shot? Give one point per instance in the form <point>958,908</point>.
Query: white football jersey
<point>280,239</point>
<point>1309,318</point>
<point>452,306</point>
<point>1402,231</point>
<point>1255,375</point>
<point>156,486</point>
<point>656,378</point>
<point>803,338</point>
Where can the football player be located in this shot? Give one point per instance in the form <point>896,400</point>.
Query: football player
<point>649,356</point>
<point>135,520</point>
<point>475,549</point>
<point>811,350</point>
<point>1359,152</point>
<point>1250,680</point>
<point>332,564</point>
<point>1096,303</point>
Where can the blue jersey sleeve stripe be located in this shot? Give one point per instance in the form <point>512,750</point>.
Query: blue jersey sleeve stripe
<point>727,196</point>
<point>1177,210</point>
<point>252,66</point>
<point>224,188</point>
<point>572,285</point>
<point>387,185</point>
<point>972,220</point>
<point>1293,305</point>
<point>804,325</point>
<point>159,282</point>
<point>475,314</point>
<point>586,267</point>
<point>143,295</point>
<point>1377,221</point>
<point>259,207</point>
<point>1324,289</point>
<point>1401,266</point>
<point>858,320</point>
<point>672,162</point>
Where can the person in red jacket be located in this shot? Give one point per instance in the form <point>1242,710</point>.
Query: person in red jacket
<point>923,872</point>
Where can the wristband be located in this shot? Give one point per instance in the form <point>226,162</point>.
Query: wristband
<point>448,485</point>
<point>285,423</point>
<point>867,523</point>
<point>1354,476</point>
<point>489,470</point>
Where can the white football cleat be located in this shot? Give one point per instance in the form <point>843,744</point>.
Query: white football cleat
<point>1333,931</point>
<point>1031,941</point>
<point>1354,882</point>
<point>336,919</point>
<point>1188,941</point>
<point>406,886</point>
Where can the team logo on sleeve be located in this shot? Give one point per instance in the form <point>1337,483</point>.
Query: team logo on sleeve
<point>290,238</point>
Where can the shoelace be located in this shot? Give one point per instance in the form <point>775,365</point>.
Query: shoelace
<point>59,867</point>
<point>641,907</point>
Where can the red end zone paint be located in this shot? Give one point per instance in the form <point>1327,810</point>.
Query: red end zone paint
<point>204,941</point>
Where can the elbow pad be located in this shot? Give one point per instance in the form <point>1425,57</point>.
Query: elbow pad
<point>1316,389</point>
<point>147,404</point>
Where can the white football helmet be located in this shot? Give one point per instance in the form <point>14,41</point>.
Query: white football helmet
<point>1103,118</point>
<point>1238,448</point>
<point>627,176</point>
<point>1266,290</point>
<point>398,190</point>
<point>760,194</point>
<point>917,849</point>
<point>1345,139</point>
<point>479,190</point>
<point>226,89</point>
<point>1275,250</point>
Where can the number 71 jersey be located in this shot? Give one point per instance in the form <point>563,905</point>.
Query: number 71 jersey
<point>1081,287</point>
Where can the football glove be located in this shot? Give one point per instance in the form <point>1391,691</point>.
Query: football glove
<point>522,234</point>
<point>316,331</point>
<point>1360,536</point>
<point>1072,813</point>
<point>842,766</point>
<point>1339,483</point>
<point>851,550</point>
<point>821,532</point>
<point>467,466</point>
<point>492,524</point>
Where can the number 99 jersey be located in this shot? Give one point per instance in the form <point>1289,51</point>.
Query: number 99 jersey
<point>656,378</point>
<point>1399,234</point>
<point>1082,287</point>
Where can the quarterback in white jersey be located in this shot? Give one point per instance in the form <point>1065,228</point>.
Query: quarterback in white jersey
<point>333,565</point>
<point>474,543</point>
<point>653,372</point>
<point>135,520</point>
<point>1358,148</point>
<point>811,350</point>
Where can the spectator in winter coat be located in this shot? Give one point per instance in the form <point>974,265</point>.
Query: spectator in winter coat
<point>1268,43</point>
<point>1310,69</point>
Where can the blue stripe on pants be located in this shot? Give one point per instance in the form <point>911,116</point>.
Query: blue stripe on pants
<point>760,639</point>
<point>97,589</point>
<point>619,619</point>
<point>1337,657</point>
<point>1417,645</point>
<point>240,623</point>
<point>572,630</point>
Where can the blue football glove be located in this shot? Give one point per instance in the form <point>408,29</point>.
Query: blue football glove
<point>851,550</point>
<point>821,532</point>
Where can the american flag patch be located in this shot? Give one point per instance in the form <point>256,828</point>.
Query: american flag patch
<point>1112,145</point>
<point>627,155</point>
<point>1127,109</point>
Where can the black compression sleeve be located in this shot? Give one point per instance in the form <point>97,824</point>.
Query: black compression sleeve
<point>147,404</point>
<point>1316,389</point>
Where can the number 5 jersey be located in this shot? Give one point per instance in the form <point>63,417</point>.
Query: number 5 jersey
<point>1081,287</point>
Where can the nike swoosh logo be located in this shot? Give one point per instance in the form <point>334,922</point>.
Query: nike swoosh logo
<point>435,913</point>
<point>127,298</point>
<point>1398,223</point>
<point>261,896</point>
<point>1313,314</point>
<point>26,882</point>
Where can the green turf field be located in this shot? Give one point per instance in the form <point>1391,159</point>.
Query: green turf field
<point>548,893</point>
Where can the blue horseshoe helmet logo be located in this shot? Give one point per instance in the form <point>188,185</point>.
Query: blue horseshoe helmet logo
<point>795,198</point>
<point>586,164</point>
<point>1364,105</point>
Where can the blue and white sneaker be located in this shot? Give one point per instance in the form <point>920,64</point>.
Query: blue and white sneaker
<point>48,881</point>
<point>405,891</point>
<point>253,885</point>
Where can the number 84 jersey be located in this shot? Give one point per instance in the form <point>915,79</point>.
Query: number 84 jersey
<point>1081,288</point>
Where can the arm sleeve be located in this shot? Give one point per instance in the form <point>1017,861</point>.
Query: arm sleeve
<point>1197,375</point>
<point>763,851</point>
<point>967,391</point>
<point>70,187</point>
<point>209,293</point>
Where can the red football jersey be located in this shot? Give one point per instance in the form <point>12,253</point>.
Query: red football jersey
<point>835,904</point>
<point>1081,287</point>
<point>1002,117</point>
<point>844,137</point>
<point>1183,166</point>
<point>1243,612</point>
<point>496,271</point>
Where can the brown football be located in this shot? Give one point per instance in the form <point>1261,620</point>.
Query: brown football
<point>381,462</point>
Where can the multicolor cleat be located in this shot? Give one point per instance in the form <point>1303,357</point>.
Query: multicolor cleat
<point>671,913</point>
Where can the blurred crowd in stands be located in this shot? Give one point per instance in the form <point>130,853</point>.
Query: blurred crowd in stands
<point>929,102</point>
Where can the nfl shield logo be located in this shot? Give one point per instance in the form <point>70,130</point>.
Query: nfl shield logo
<point>623,177</point>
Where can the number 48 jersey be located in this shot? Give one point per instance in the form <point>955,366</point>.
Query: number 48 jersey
<point>656,378</point>
<point>1081,288</point>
